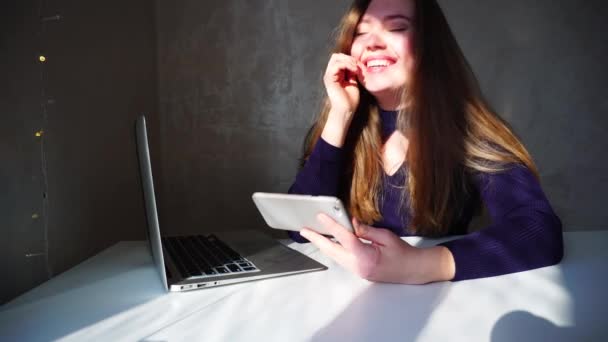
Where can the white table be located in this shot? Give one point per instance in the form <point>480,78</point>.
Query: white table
<point>116,295</point>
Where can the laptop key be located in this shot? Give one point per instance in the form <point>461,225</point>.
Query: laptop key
<point>233,268</point>
<point>186,257</point>
<point>207,251</point>
<point>194,251</point>
<point>249,268</point>
<point>231,253</point>
<point>221,270</point>
<point>169,246</point>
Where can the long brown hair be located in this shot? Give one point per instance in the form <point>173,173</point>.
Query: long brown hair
<point>452,131</point>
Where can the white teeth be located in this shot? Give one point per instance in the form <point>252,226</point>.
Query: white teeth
<point>378,63</point>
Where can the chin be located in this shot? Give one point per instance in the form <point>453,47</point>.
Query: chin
<point>378,90</point>
<point>382,86</point>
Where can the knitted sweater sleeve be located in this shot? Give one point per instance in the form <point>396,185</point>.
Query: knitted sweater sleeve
<point>320,175</point>
<point>525,232</point>
<point>321,172</point>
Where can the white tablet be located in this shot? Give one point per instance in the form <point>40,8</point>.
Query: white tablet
<point>294,212</point>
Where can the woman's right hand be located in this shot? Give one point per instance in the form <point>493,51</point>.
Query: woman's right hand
<point>340,81</point>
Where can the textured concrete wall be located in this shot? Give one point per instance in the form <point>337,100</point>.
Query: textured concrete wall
<point>21,183</point>
<point>543,66</point>
<point>240,81</point>
<point>238,86</point>
<point>100,72</point>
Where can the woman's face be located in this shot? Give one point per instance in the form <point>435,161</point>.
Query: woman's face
<point>382,43</point>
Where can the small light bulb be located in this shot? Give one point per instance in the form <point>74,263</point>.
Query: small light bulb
<point>35,216</point>
<point>42,58</point>
<point>39,134</point>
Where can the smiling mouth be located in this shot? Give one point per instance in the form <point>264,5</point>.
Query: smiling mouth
<point>378,65</point>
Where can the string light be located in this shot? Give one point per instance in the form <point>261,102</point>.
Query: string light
<point>45,101</point>
<point>31,255</point>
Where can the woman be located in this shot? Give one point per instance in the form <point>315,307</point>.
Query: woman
<point>407,142</point>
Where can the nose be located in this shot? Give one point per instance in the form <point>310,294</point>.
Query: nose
<point>374,41</point>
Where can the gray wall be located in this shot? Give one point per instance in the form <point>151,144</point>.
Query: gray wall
<point>543,66</point>
<point>99,74</point>
<point>21,184</point>
<point>238,87</point>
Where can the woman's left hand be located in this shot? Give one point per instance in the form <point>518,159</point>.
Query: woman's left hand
<point>387,259</point>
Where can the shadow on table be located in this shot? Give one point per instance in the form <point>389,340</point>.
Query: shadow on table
<point>524,326</point>
<point>378,313</point>
<point>585,276</point>
<point>104,268</point>
<point>89,293</point>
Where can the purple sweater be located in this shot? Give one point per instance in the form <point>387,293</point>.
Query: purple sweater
<point>525,232</point>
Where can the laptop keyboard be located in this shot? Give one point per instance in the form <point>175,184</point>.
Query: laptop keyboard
<point>205,256</point>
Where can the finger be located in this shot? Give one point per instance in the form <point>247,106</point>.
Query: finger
<point>352,77</point>
<point>346,238</point>
<point>336,71</point>
<point>378,236</point>
<point>359,228</point>
<point>340,63</point>
<point>360,66</point>
<point>352,81</point>
<point>332,249</point>
<point>357,73</point>
<point>352,63</point>
<point>344,58</point>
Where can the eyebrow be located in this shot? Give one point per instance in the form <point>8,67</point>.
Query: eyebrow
<point>390,17</point>
<point>397,16</point>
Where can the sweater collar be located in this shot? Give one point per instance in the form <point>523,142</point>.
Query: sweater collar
<point>389,122</point>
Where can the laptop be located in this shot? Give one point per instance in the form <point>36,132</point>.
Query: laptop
<point>187,263</point>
